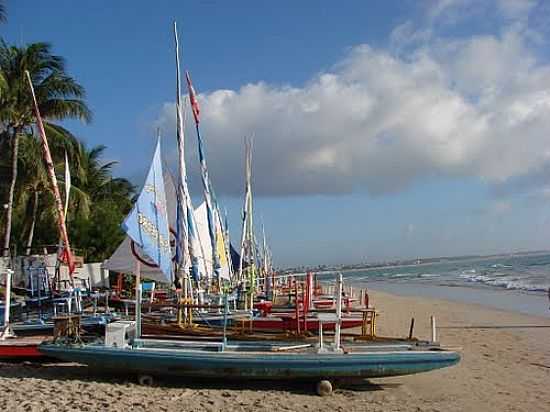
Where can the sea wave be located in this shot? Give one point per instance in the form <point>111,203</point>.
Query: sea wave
<point>508,282</point>
<point>522,273</point>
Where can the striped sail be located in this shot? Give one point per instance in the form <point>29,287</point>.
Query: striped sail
<point>207,188</point>
<point>187,245</point>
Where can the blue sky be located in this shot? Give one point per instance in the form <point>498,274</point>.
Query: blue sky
<point>382,129</point>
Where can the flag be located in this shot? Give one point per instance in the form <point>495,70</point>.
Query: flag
<point>147,223</point>
<point>208,195</point>
<point>193,99</point>
<point>67,184</point>
<point>208,198</point>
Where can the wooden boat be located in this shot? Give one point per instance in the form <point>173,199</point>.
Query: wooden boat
<point>288,322</point>
<point>22,348</point>
<point>90,323</point>
<point>254,360</point>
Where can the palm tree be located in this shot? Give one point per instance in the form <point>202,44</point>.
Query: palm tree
<point>93,181</point>
<point>3,17</point>
<point>59,97</point>
<point>33,181</point>
<point>2,20</point>
<point>99,204</point>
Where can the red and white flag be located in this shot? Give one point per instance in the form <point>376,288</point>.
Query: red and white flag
<point>193,98</point>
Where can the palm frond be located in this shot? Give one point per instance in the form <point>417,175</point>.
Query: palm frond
<point>3,16</point>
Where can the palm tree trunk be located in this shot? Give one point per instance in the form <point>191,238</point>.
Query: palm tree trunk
<point>33,224</point>
<point>15,153</point>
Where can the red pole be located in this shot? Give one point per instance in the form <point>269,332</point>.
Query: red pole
<point>53,180</point>
<point>304,307</point>
<point>297,308</point>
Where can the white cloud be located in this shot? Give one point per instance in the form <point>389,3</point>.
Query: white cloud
<point>378,120</point>
<point>516,8</point>
<point>453,11</point>
<point>500,207</point>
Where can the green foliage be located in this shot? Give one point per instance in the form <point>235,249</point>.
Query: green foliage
<point>100,234</point>
<point>59,95</point>
<point>98,201</point>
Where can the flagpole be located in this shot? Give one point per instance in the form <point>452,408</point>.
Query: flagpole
<point>53,180</point>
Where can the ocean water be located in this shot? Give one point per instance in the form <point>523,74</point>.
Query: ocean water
<point>517,283</point>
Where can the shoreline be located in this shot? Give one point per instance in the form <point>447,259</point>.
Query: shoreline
<point>501,370</point>
<point>450,260</point>
<point>509,300</point>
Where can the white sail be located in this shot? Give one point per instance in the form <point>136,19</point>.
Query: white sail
<point>201,219</point>
<point>123,261</point>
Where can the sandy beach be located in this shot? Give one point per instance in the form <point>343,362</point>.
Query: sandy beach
<point>503,369</point>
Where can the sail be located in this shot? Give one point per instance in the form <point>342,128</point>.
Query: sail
<point>122,260</point>
<point>201,219</point>
<point>147,222</point>
<point>225,269</point>
<point>67,185</point>
<point>209,198</point>
<point>248,243</point>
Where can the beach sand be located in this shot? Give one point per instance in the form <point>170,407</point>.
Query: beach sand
<point>503,369</point>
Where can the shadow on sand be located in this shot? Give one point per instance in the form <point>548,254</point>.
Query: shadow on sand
<point>72,371</point>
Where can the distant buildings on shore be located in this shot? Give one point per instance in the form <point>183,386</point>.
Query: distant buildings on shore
<point>406,262</point>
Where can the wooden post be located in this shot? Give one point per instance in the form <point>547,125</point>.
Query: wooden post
<point>225,310</point>
<point>304,307</point>
<point>7,299</point>
<point>338,312</point>
<point>297,308</point>
<point>138,298</point>
<point>184,284</point>
<point>411,329</point>
<point>434,329</point>
<point>107,310</point>
<point>7,331</point>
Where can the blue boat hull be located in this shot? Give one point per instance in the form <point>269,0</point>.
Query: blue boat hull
<point>255,365</point>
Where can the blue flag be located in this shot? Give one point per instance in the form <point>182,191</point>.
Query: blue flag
<point>147,223</point>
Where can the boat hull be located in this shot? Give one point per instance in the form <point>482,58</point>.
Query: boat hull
<point>273,323</point>
<point>20,352</point>
<point>253,365</point>
<point>21,348</point>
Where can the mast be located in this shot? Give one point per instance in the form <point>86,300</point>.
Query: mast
<point>67,254</point>
<point>248,241</point>
<point>244,213</point>
<point>251,235</point>
<point>190,243</point>
<point>264,261</point>
<point>227,239</point>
